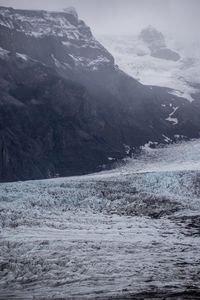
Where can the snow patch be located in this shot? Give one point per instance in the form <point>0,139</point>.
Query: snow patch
<point>3,53</point>
<point>92,64</point>
<point>183,94</point>
<point>166,139</point>
<point>56,62</point>
<point>127,149</point>
<point>111,158</point>
<point>149,146</point>
<point>22,56</point>
<point>171,119</point>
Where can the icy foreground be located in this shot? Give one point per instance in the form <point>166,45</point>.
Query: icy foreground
<point>130,233</point>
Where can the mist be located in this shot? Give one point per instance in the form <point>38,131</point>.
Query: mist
<point>177,18</point>
<point>99,149</point>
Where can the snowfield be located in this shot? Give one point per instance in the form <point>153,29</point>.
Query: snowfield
<point>128,233</point>
<point>133,57</point>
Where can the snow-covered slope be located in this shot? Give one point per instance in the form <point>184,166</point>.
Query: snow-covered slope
<point>131,233</point>
<point>135,57</point>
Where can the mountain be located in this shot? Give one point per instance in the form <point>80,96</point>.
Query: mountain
<point>66,108</point>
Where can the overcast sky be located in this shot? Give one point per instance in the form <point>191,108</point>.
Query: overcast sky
<point>178,17</point>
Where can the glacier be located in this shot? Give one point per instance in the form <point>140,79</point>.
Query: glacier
<point>127,233</point>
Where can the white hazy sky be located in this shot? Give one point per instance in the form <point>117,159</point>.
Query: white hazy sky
<point>177,17</point>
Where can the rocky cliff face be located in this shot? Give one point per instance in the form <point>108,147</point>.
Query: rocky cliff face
<point>57,39</point>
<point>65,108</point>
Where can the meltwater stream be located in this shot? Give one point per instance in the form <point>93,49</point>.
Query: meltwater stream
<point>129,233</point>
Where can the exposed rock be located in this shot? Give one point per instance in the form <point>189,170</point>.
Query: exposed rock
<point>157,44</point>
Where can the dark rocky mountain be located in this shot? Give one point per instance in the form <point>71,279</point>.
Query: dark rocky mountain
<point>65,108</point>
<point>157,44</point>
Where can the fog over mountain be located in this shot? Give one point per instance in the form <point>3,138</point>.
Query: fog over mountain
<point>177,17</point>
<point>99,150</point>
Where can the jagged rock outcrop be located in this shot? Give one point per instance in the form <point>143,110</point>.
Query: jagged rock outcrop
<point>157,44</point>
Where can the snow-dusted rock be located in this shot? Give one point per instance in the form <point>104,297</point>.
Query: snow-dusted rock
<point>68,35</point>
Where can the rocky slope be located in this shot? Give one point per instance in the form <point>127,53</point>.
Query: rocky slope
<point>66,108</point>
